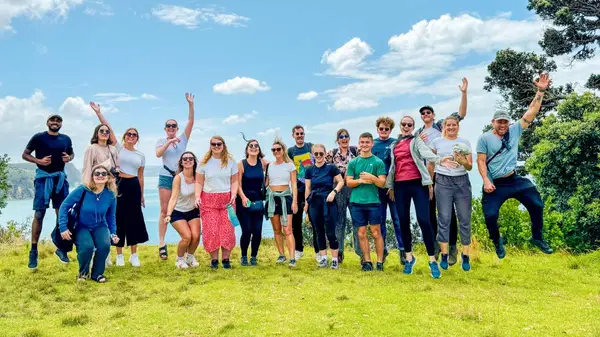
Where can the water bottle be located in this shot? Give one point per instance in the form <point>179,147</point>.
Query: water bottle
<point>232,216</point>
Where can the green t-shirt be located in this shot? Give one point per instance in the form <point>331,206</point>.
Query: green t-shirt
<point>365,193</point>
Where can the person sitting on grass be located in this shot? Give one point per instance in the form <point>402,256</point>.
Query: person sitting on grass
<point>96,225</point>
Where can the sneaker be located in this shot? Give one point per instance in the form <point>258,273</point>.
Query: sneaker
<point>453,256</point>
<point>367,266</point>
<point>33,259</point>
<point>82,277</point>
<point>323,263</point>
<point>226,264</point>
<point>134,259</point>
<point>62,256</point>
<point>402,257</point>
<point>253,261</point>
<point>437,250</point>
<point>466,265</point>
<point>318,257</point>
<point>292,263</point>
<point>190,259</point>
<point>379,266</point>
<point>281,259</point>
<point>500,251</point>
<point>244,261</point>
<point>180,263</point>
<point>444,262</point>
<point>214,264</point>
<point>108,261</point>
<point>335,264</point>
<point>298,255</point>
<point>408,267</point>
<point>120,260</point>
<point>435,271</point>
<point>542,245</point>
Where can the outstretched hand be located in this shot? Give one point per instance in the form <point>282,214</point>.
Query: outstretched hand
<point>543,82</point>
<point>189,97</point>
<point>95,107</point>
<point>464,86</point>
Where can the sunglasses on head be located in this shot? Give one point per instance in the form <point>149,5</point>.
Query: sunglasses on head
<point>187,158</point>
<point>426,112</point>
<point>276,149</point>
<point>343,136</point>
<point>318,154</point>
<point>104,132</point>
<point>98,174</point>
<point>170,126</point>
<point>299,133</point>
<point>253,146</point>
<point>410,125</point>
<point>384,129</point>
<point>216,144</point>
<point>131,134</point>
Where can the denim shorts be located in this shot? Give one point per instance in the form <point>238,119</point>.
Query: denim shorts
<point>165,182</point>
<point>365,214</point>
<point>57,197</point>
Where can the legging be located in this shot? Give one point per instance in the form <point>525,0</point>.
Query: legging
<point>404,192</point>
<point>251,224</point>
<point>323,216</point>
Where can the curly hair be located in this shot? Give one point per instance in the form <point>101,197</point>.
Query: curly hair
<point>385,121</point>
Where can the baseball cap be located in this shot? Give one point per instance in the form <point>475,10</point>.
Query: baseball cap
<point>426,107</point>
<point>501,115</point>
<point>54,116</point>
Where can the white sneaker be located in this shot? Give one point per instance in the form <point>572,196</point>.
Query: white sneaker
<point>120,260</point>
<point>181,263</point>
<point>109,262</point>
<point>190,259</point>
<point>298,255</point>
<point>134,259</point>
<point>318,257</point>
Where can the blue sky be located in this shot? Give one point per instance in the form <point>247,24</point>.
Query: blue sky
<point>138,58</point>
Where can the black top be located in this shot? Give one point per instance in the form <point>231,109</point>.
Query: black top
<point>252,180</point>
<point>322,179</point>
<point>45,144</point>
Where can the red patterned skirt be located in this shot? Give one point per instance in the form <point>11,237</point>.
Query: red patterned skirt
<point>217,230</point>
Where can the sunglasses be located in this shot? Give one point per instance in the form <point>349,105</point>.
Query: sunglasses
<point>253,146</point>
<point>98,174</point>
<point>410,125</point>
<point>318,154</point>
<point>299,133</point>
<point>276,149</point>
<point>170,126</point>
<point>216,144</point>
<point>187,158</point>
<point>426,112</point>
<point>384,129</point>
<point>131,135</point>
<point>343,136</point>
<point>104,132</point>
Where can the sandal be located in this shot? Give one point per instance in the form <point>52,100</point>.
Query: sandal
<point>100,279</point>
<point>82,277</point>
<point>162,252</point>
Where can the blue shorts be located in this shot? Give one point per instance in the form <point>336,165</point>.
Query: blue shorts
<point>165,182</point>
<point>365,214</point>
<point>57,197</point>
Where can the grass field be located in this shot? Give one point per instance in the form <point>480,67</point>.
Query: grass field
<point>526,294</point>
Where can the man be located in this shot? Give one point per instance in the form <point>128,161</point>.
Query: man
<point>381,149</point>
<point>300,154</point>
<point>429,132</point>
<point>52,151</point>
<point>366,175</point>
<point>497,159</point>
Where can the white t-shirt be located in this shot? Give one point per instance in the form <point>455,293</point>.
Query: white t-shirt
<point>130,161</point>
<point>217,179</point>
<point>279,175</point>
<point>432,134</point>
<point>172,154</point>
<point>443,148</point>
<point>186,201</point>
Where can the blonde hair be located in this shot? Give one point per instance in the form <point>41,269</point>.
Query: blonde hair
<point>124,133</point>
<point>110,184</point>
<point>312,149</point>
<point>286,158</point>
<point>444,124</point>
<point>225,155</point>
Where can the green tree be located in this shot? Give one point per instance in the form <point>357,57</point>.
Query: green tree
<point>4,185</point>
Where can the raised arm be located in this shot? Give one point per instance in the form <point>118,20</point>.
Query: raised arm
<point>542,84</point>
<point>190,124</point>
<point>462,108</point>
<point>102,119</point>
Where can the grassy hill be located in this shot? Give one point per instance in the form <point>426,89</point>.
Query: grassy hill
<point>527,294</point>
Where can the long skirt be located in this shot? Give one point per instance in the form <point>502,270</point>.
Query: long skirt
<point>131,228</point>
<point>217,230</point>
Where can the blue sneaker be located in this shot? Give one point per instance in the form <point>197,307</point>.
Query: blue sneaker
<point>444,262</point>
<point>33,259</point>
<point>408,267</point>
<point>435,271</point>
<point>62,256</point>
<point>244,261</point>
<point>466,265</point>
<point>367,266</point>
<point>226,264</point>
<point>253,261</point>
<point>500,251</point>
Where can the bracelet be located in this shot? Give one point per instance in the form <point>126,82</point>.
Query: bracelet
<point>542,90</point>
<point>335,191</point>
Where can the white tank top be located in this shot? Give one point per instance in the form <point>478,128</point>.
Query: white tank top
<point>186,201</point>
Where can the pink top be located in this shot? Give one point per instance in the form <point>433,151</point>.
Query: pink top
<point>406,169</point>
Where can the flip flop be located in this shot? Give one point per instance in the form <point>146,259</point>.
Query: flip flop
<point>162,252</point>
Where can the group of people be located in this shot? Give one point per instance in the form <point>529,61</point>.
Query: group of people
<point>205,196</point>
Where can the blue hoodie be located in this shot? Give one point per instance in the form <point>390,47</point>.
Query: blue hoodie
<point>96,210</point>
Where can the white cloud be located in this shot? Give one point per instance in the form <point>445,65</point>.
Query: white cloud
<point>114,97</point>
<point>98,8</point>
<point>307,96</point>
<point>241,85</point>
<point>191,18</point>
<point>237,119</point>
<point>34,10</point>
<point>348,58</point>
<point>75,106</point>
<point>269,132</point>
<point>148,96</point>
<point>349,103</point>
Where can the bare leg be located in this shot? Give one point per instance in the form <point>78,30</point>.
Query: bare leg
<point>276,222</point>
<point>225,253</point>
<point>364,243</point>
<point>36,225</point>
<point>289,237</point>
<point>195,229</point>
<point>378,238</point>
<point>183,228</point>
<point>164,196</point>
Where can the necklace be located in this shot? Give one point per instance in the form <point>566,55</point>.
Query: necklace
<point>99,195</point>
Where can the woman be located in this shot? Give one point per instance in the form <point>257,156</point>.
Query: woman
<point>281,199</point>
<point>453,189</point>
<point>170,149</point>
<point>340,157</point>
<point>321,205</point>
<point>182,212</point>
<point>131,227</point>
<point>216,188</point>
<point>96,222</point>
<point>101,152</point>
<point>408,179</point>
<point>250,190</point>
